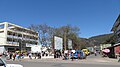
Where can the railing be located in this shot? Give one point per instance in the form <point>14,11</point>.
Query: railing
<point>15,43</point>
<point>15,37</point>
<point>24,33</point>
<point>29,45</point>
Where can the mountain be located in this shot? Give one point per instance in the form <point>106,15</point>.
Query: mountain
<point>101,38</point>
<point>95,40</point>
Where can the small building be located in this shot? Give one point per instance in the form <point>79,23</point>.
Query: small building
<point>102,46</point>
<point>14,37</point>
<point>114,50</point>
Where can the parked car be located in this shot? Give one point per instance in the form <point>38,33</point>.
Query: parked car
<point>3,64</point>
<point>86,51</point>
<point>82,54</point>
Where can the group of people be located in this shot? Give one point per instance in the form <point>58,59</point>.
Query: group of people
<point>36,55</point>
<point>13,55</point>
<point>57,54</point>
<point>68,54</point>
<point>72,55</point>
<point>20,55</point>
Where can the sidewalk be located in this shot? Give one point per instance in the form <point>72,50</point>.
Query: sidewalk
<point>111,59</point>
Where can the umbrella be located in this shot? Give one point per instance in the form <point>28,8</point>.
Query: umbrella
<point>106,50</point>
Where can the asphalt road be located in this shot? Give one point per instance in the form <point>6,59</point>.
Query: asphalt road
<point>91,61</point>
<point>54,64</point>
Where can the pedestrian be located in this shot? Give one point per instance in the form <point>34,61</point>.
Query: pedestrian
<point>78,55</point>
<point>11,55</point>
<point>58,54</point>
<point>35,54</point>
<point>39,55</point>
<point>14,56</point>
<point>72,56</point>
<point>17,56</point>
<point>8,56</point>
<point>5,53</point>
<point>95,53</point>
<point>30,55</point>
<point>55,55</point>
<point>22,55</point>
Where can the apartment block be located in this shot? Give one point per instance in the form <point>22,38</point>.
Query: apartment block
<point>116,29</point>
<point>14,37</point>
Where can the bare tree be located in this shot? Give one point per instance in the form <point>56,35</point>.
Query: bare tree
<point>46,33</point>
<point>43,30</point>
<point>68,32</point>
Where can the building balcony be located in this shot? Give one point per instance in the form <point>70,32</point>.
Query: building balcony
<point>25,33</point>
<point>29,45</point>
<point>13,43</point>
<point>26,39</point>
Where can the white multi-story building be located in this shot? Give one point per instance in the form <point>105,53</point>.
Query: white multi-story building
<point>14,37</point>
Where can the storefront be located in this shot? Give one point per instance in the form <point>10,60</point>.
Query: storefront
<point>117,49</point>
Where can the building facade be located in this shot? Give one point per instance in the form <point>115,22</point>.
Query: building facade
<point>116,29</point>
<point>14,37</point>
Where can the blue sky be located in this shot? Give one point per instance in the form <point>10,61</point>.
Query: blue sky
<point>94,17</point>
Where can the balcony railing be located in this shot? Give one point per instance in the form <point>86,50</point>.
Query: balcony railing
<point>15,43</point>
<point>29,45</point>
<point>24,32</point>
<point>15,37</point>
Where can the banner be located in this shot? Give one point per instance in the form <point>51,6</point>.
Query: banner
<point>58,42</point>
<point>69,44</point>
